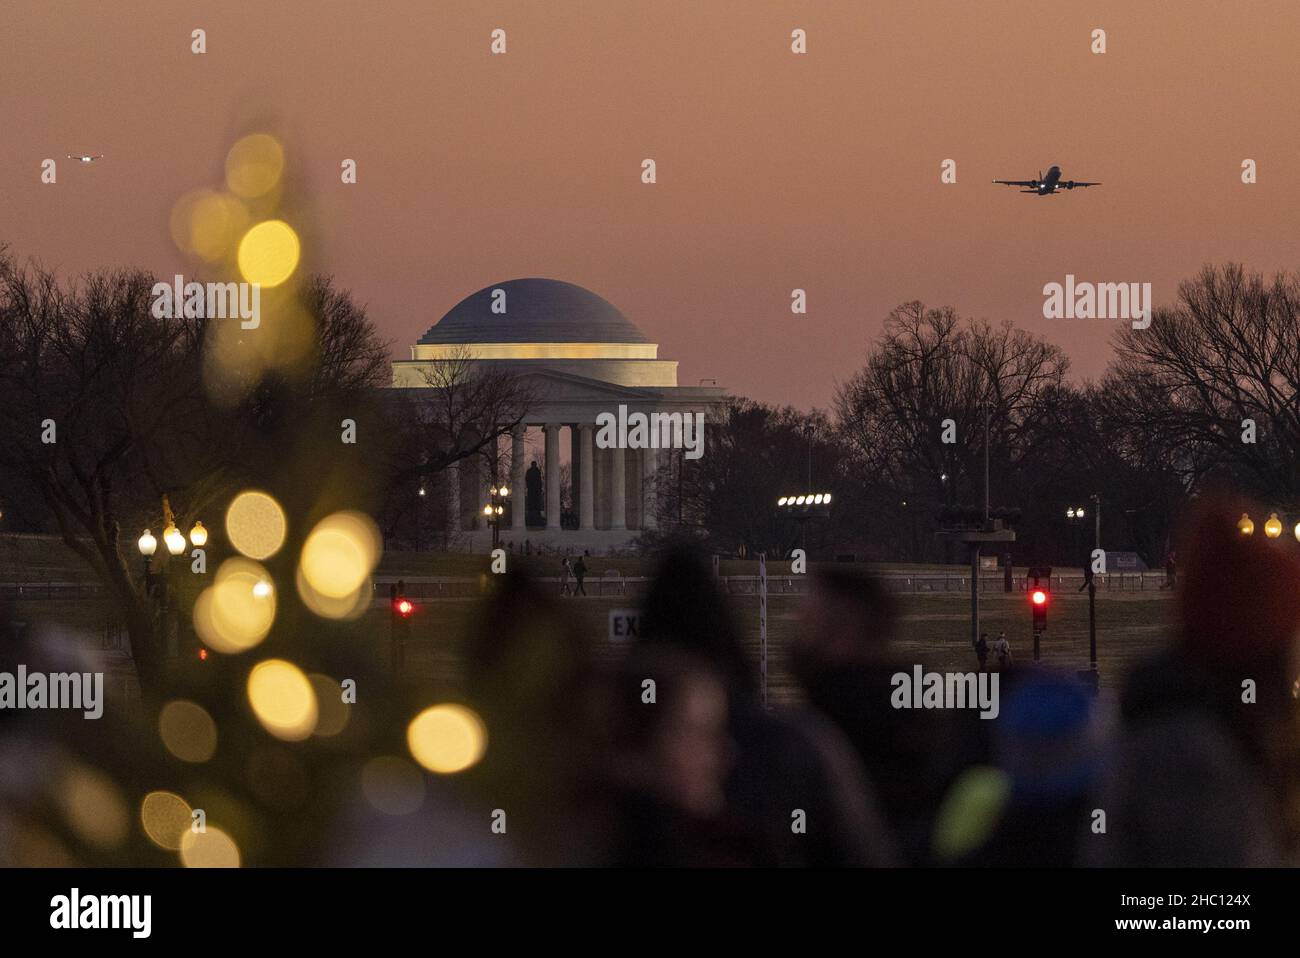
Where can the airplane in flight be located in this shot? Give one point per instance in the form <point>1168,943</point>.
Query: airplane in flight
<point>1046,185</point>
<point>86,157</point>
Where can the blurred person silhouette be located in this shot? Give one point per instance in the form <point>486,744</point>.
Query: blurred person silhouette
<point>530,675</point>
<point>784,764</point>
<point>1205,769</point>
<point>843,657</point>
<point>1029,807</point>
<point>982,650</point>
<point>670,758</point>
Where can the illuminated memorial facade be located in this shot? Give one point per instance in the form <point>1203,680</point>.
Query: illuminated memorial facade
<point>580,360</point>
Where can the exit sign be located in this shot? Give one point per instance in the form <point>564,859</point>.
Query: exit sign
<point>624,624</point>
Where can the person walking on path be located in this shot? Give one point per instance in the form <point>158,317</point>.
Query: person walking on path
<point>1002,649</point>
<point>579,573</point>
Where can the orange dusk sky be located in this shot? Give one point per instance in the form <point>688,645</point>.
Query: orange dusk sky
<point>775,171</point>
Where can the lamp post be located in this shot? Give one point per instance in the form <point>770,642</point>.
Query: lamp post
<point>419,516</point>
<point>494,510</point>
<point>805,507</point>
<point>1093,678</point>
<point>156,583</point>
<point>1074,515</point>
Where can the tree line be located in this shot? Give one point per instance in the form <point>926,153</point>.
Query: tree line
<point>1206,395</point>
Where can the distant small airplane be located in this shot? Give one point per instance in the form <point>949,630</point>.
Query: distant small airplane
<point>85,157</point>
<point>1046,185</point>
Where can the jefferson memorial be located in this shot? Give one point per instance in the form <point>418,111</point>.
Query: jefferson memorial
<point>578,356</point>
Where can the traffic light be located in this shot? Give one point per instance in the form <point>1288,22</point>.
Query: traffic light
<point>1038,598</point>
<point>404,608</point>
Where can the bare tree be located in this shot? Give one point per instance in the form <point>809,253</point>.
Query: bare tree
<point>754,455</point>
<point>1227,351</point>
<point>463,409</point>
<point>106,416</point>
<point>930,366</point>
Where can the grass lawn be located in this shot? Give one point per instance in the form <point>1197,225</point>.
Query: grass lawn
<point>31,558</point>
<point>934,629</point>
<point>39,559</point>
<point>460,564</point>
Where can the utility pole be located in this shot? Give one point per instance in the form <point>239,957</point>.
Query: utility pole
<point>975,546</point>
<point>1092,596</point>
<point>803,526</point>
<point>989,531</point>
<point>988,414</point>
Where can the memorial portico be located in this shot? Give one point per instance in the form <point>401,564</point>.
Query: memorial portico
<point>579,357</point>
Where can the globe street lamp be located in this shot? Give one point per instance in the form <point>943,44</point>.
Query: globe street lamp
<point>1074,515</point>
<point>156,583</point>
<point>1273,527</point>
<point>174,540</point>
<point>148,545</point>
<point>494,510</point>
<point>1245,525</point>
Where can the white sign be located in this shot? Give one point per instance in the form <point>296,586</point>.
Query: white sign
<point>624,624</point>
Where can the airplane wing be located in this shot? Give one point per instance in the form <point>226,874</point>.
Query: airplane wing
<point>1017,182</point>
<point>1082,183</point>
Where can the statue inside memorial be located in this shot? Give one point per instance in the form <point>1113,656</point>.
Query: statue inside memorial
<point>533,498</point>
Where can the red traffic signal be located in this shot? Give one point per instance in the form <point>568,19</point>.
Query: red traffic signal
<point>404,608</point>
<point>1038,603</point>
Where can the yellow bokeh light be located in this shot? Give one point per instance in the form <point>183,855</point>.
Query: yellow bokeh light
<point>210,848</point>
<point>208,223</point>
<point>349,607</point>
<point>269,253</point>
<point>339,555</point>
<point>446,738</point>
<point>255,524</point>
<point>283,699</point>
<point>334,712</point>
<point>236,612</point>
<point>166,818</point>
<point>93,807</point>
<point>392,785</point>
<point>254,165</point>
<point>188,731</point>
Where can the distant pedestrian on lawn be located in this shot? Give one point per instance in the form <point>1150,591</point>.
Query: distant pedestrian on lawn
<point>1002,649</point>
<point>982,650</point>
<point>580,573</point>
<point>564,577</point>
